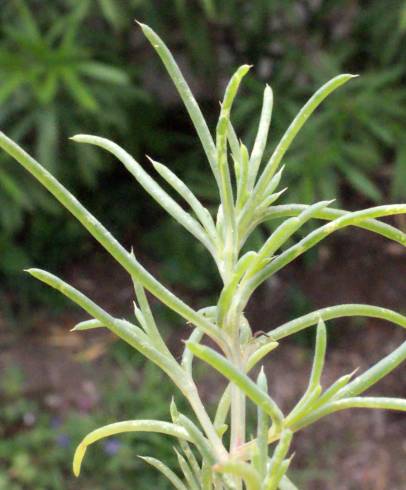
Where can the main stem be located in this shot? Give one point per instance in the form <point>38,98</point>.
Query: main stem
<point>238,402</point>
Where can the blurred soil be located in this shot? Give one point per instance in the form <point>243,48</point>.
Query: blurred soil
<point>362,450</point>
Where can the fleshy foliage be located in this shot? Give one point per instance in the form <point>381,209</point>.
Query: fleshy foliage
<point>213,452</point>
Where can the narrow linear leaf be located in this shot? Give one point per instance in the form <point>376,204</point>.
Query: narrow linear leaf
<point>262,135</point>
<point>235,147</point>
<point>225,186</point>
<point>242,181</point>
<point>338,311</point>
<point>260,353</point>
<point>332,391</point>
<point>375,373</point>
<point>377,403</point>
<point>261,458</point>
<point>330,214</point>
<point>87,325</point>
<point>187,472</point>
<point>242,470</point>
<point>187,356</point>
<point>148,318</point>
<point>163,468</point>
<point>228,370</point>
<point>186,95</point>
<point>282,233</point>
<point>183,190</point>
<point>191,459</point>
<point>298,122</point>
<point>126,426</point>
<point>274,474</point>
<point>197,438</point>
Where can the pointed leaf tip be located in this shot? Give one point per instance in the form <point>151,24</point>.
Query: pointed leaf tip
<point>142,25</point>
<point>78,458</point>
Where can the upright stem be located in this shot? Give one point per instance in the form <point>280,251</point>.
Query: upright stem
<point>237,430</point>
<point>237,435</point>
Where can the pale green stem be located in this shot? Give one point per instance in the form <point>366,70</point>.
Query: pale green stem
<point>225,400</point>
<point>238,402</point>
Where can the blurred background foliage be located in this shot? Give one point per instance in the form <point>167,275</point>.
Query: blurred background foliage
<point>70,67</point>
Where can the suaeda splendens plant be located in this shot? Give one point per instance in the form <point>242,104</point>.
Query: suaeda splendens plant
<point>214,452</point>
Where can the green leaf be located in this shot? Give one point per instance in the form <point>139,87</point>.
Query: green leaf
<point>229,371</point>
<point>362,183</point>
<point>187,472</point>
<point>183,190</point>
<point>185,93</point>
<point>79,91</point>
<point>277,466</point>
<point>261,458</point>
<point>295,127</point>
<point>262,135</point>
<point>330,214</point>
<point>338,311</point>
<point>372,375</point>
<point>377,403</point>
<point>87,325</point>
<point>197,438</point>
<point>170,475</point>
<point>122,427</point>
<point>113,12</point>
<point>104,73</point>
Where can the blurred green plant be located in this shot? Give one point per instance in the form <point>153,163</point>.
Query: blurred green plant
<point>34,438</point>
<point>213,452</point>
<point>53,81</point>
